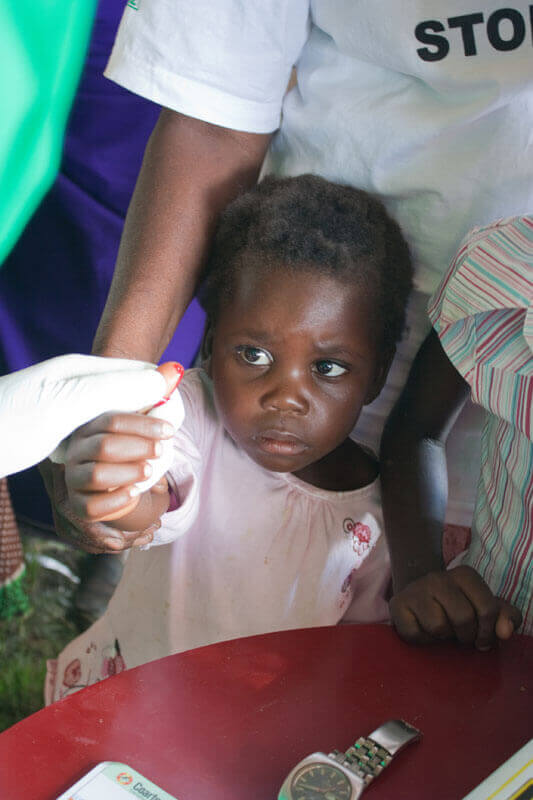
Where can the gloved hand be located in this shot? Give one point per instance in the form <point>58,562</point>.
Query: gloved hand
<point>43,404</point>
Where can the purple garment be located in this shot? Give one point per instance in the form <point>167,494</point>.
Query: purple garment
<point>54,284</point>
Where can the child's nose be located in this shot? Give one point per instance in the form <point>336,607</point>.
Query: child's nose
<point>286,393</point>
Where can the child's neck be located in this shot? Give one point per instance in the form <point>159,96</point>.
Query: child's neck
<point>346,468</point>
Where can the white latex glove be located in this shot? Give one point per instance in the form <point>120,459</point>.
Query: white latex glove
<point>43,404</point>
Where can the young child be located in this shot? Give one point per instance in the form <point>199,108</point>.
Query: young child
<point>482,345</point>
<point>275,517</point>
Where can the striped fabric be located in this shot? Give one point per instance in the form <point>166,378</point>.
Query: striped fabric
<point>483,314</point>
<point>13,599</point>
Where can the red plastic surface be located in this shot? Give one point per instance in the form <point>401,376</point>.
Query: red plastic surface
<point>230,720</point>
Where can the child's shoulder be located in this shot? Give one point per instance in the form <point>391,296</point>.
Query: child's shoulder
<point>196,390</point>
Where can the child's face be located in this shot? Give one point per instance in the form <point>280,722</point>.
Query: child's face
<point>294,359</point>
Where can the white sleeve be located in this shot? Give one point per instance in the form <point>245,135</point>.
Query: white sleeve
<point>184,481</point>
<point>185,473</point>
<point>226,62</point>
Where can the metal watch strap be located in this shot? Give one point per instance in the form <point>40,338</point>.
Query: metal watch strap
<point>371,754</point>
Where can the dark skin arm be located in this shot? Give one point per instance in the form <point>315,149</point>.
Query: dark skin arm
<point>105,458</point>
<point>190,172</point>
<point>430,603</point>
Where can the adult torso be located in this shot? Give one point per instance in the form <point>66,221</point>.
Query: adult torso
<point>428,104</point>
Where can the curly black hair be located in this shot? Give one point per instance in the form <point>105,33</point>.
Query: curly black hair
<point>305,223</point>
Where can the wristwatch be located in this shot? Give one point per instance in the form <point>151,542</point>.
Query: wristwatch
<point>344,776</point>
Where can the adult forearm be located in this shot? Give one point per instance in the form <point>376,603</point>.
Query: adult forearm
<point>191,170</point>
<point>413,463</point>
<point>415,489</point>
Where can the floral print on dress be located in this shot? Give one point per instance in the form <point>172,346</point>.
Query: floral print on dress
<point>72,674</point>
<point>81,672</point>
<point>113,662</point>
<point>362,537</point>
<point>72,678</point>
<point>360,533</point>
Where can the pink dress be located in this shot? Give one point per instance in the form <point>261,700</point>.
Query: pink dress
<point>246,551</point>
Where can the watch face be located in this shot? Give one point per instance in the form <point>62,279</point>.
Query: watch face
<point>320,781</point>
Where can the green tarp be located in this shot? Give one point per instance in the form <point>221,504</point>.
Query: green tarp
<point>42,46</point>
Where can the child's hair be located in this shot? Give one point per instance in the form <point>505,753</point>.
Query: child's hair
<point>308,223</point>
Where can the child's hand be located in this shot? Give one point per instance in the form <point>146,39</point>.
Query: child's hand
<point>106,457</point>
<point>453,604</point>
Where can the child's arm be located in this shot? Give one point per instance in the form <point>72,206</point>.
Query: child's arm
<point>105,459</point>
<point>429,602</point>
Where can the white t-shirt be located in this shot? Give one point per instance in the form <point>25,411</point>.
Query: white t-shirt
<point>427,104</point>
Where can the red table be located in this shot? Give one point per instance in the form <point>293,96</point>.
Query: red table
<point>230,720</point>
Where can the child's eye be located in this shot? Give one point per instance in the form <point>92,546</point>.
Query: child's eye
<point>255,355</point>
<point>330,368</point>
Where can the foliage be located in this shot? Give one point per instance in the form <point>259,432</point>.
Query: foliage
<point>26,641</point>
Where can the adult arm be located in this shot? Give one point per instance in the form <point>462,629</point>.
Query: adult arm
<point>190,172</point>
<point>413,462</point>
<point>431,603</point>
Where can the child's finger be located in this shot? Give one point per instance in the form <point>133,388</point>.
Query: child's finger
<point>111,448</point>
<point>121,512</point>
<point>172,372</point>
<point>100,476</point>
<point>102,506</point>
<point>135,424</point>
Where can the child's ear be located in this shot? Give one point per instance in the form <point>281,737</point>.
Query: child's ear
<point>206,348</point>
<point>382,370</point>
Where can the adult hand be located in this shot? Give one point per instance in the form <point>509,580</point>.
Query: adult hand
<point>42,404</point>
<point>453,604</point>
<point>93,537</point>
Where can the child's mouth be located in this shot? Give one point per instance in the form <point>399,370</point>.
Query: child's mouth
<point>280,443</point>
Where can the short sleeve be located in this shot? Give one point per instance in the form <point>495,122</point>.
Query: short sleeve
<point>185,474</point>
<point>371,588</point>
<point>482,312</point>
<point>227,63</point>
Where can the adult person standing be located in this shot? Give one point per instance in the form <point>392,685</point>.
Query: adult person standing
<point>36,41</point>
<point>55,278</point>
<point>428,106</point>
<point>54,283</point>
